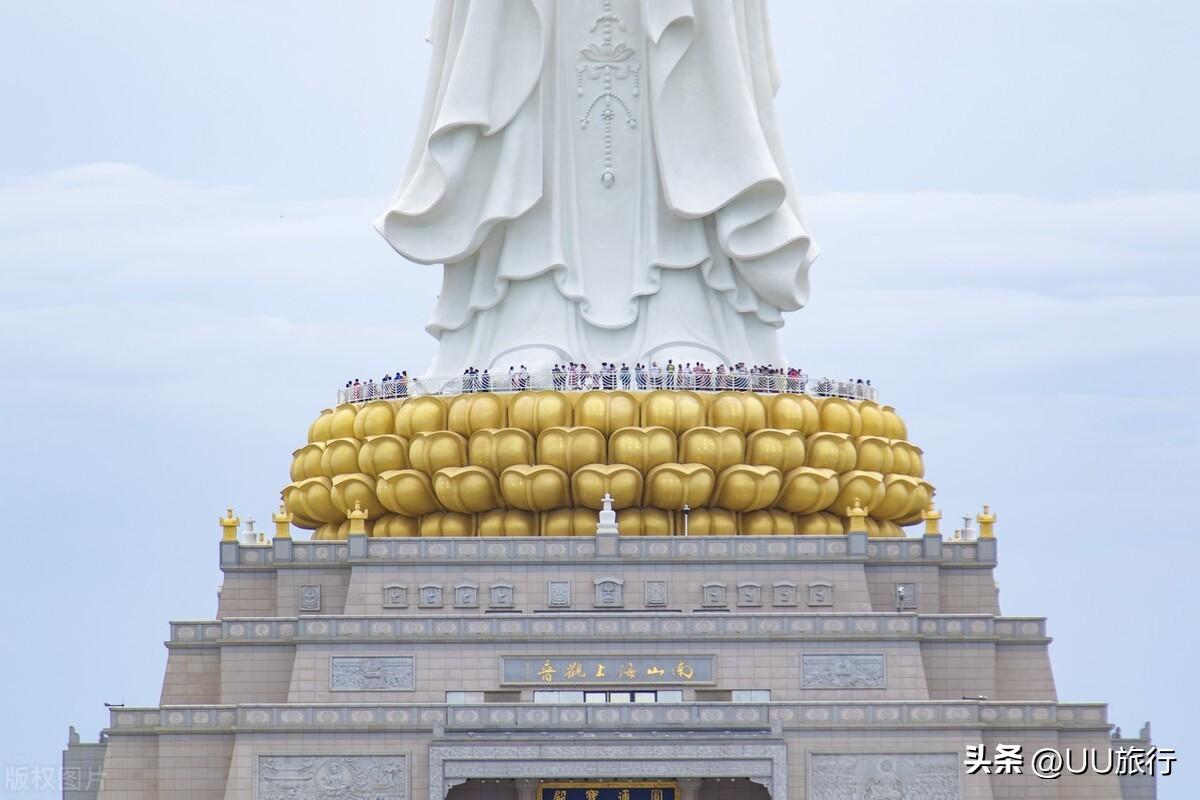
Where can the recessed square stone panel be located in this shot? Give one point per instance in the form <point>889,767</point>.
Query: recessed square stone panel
<point>609,593</point>
<point>310,597</point>
<point>713,595</point>
<point>558,594</point>
<point>656,593</point>
<point>783,595</point>
<point>501,595</point>
<point>749,594</point>
<point>466,595</point>
<point>820,593</point>
<point>850,671</point>
<point>906,595</point>
<point>430,595</point>
<point>395,595</point>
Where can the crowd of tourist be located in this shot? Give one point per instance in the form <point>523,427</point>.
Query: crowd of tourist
<point>642,377</point>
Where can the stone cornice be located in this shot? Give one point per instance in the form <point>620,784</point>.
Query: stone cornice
<point>533,720</point>
<point>628,627</point>
<point>857,548</point>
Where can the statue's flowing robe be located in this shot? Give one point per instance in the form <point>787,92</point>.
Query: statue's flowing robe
<point>603,180</point>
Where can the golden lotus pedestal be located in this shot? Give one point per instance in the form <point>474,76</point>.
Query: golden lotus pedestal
<point>539,463</point>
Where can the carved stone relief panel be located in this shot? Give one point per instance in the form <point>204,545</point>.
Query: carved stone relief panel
<point>820,593</point>
<point>609,593</point>
<point>501,595</point>
<point>852,671</point>
<point>656,593</point>
<point>431,595</point>
<point>713,595</point>
<point>371,673</point>
<point>344,777</point>
<point>558,594</point>
<point>310,597</point>
<point>885,776</point>
<point>749,594</point>
<point>466,595</point>
<point>395,595</point>
<point>784,594</point>
<point>906,595</point>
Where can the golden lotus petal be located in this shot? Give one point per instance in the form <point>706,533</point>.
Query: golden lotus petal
<point>540,487</point>
<point>859,485</point>
<point>474,412</point>
<point>568,522</point>
<point>921,497</point>
<point>807,490</point>
<point>571,448</point>
<point>467,490</point>
<point>356,488</point>
<point>311,499</point>
<point>622,482</point>
<point>430,451</point>
<point>782,449</point>
<point>907,459</point>
<point>672,486</point>
<point>643,448</point>
<point>607,411</point>
<point>537,411</point>
<point>894,427</point>
<point>673,409</point>
<point>294,502</point>
<point>447,523</point>
<point>394,526</point>
<point>406,491</point>
<point>888,530</point>
<point>744,488</point>
<point>507,522</point>
<point>644,522</point>
<point>306,462</point>
<point>318,431</point>
<point>839,415</point>
<point>383,453</point>
<point>874,454</point>
<point>820,524</point>
<point>419,414</point>
<point>497,449</point>
<point>833,451</point>
<point>874,423</point>
<point>375,418</point>
<point>340,457</point>
<point>768,522</point>
<point>898,497</point>
<point>332,531</point>
<point>707,522</point>
<point>341,423</point>
<point>793,412</point>
<point>745,411</point>
<point>715,448</point>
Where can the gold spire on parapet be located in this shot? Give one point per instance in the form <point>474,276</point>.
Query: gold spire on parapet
<point>283,523</point>
<point>358,520</point>
<point>933,519</point>
<point>229,526</point>
<point>987,523</point>
<point>858,517</point>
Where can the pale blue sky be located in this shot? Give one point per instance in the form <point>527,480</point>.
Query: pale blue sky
<point>1007,194</point>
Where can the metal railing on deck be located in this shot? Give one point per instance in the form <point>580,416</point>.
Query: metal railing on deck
<point>589,380</point>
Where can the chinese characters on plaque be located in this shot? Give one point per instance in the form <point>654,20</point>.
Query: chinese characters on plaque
<point>633,790</point>
<point>584,670</point>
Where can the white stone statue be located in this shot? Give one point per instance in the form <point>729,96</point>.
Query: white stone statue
<point>603,180</point>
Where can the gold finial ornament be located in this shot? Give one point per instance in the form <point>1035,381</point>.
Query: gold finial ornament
<point>229,526</point>
<point>358,520</point>
<point>933,520</point>
<point>858,517</point>
<point>987,523</point>
<point>283,523</point>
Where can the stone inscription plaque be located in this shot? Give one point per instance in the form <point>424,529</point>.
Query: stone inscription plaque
<point>371,673</point>
<point>885,776</point>
<point>606,670</point>
<point>323,777</point>
<point>842,672</point>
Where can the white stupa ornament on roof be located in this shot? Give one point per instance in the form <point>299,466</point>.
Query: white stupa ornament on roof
<point>603,180</point>
<point>608,517</point>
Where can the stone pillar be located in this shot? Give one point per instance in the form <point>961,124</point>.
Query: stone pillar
<point>526,788</point>
<point>689,788</point>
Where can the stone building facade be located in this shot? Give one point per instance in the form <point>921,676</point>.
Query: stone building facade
<point>820,667</point>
